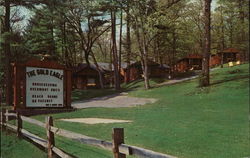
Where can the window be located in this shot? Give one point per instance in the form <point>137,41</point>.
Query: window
<point>91,82</point>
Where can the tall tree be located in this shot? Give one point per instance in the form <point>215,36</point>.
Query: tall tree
<point>243,11</point>
<point>120,40</point>
<point>6,32</point>
<point>142,10</point>
<point>231,25</point>
<point>40,32</point>
<point>114,49</point>
<point>85,18</point>
<point>128,39</point>
<point>205,78</point>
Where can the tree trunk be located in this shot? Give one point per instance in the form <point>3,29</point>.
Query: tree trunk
<point>145,69</point>
<point>143,51</point>
<point>204,80</point>
<point>75,54</point>
<point>52,52</point>
<point>145,58</point>
<point>231,33</point>
<point>120,45</point>
<point>111,63</point>
<point>128,42</point>
<point>87,57</point>
<point>222,36</point>
<point>85,51</point>
<point>222,60</point>
<point>64,47</point>
<point>174,46</point>
<point>114,51</point>
<point>222,30</point>
<point>98,69</point>
<point>242,32</point>
<point>8,79</point>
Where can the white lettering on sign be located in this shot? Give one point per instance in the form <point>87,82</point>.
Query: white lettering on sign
<point>44,87</point>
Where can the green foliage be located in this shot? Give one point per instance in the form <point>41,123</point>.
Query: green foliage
<point>39,35</point>
<point>66,29</point>
<point>231,25</point>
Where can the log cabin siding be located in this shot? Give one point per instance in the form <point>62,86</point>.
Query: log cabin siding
<point>155,70</point>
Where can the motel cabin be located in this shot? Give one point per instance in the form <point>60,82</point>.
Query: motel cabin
<point>87,76</point>
<point>215,60</point>
<point>194,62</point>
<point>155,70</point>
<point>230,55</point>
<point>190,62</point>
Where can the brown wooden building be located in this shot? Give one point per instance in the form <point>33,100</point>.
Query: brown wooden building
<point>190,62</point>
<point>85,76</point>
<point>230,54</point>
<point>155,70</point>
<point>215,60</point>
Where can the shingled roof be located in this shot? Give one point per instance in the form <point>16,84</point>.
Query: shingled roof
<point>194,56</point>
<point>230,50</point>
<point>103,66</point>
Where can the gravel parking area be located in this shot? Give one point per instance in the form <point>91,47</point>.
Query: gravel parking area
<point>113,101</point>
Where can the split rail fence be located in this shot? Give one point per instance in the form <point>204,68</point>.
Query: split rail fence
<point>117,146</point>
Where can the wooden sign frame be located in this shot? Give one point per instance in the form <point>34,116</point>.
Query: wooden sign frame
<point>19,82</point>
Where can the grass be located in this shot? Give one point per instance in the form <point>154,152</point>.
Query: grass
<point>12,147</point>
<point>78,94</point>
<point>90,93</point>
<point>139,84</point>
<point>187,121</point>
<point>71,147</point>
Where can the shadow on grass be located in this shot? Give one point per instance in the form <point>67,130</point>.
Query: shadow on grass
<point>229,79</point>
<point>78,95</point>
<point>232,75</point>
<point>130,84</point>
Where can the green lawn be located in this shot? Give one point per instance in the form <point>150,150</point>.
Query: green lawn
<point>139,84</point>
<point>69,146</point>
<point>90,93</point>
<point>78,94</point>
<point>186,121</point>
<point>12,147</point>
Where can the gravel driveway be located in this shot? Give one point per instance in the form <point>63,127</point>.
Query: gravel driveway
<point>113,101</point>
<point>122,100</point>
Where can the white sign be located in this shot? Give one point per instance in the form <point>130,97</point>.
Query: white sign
<point>44,87</point>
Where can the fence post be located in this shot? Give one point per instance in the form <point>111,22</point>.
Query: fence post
<point>50,136</point>
<point>3,119</point>
<point>118,138</point>
<point>6,114</point>
<point>19,124</point>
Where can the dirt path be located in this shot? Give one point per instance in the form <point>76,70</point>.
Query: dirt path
<point>95,120</point>
<point>176,81</point>
<point>113,101</point>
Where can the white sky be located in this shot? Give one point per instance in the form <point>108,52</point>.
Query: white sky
<point>27,15</point>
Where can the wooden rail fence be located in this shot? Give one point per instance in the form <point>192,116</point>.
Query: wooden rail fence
<point>117,146</point>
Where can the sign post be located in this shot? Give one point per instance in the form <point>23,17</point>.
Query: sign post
<point>44,87</point>
<point>41,84</point>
